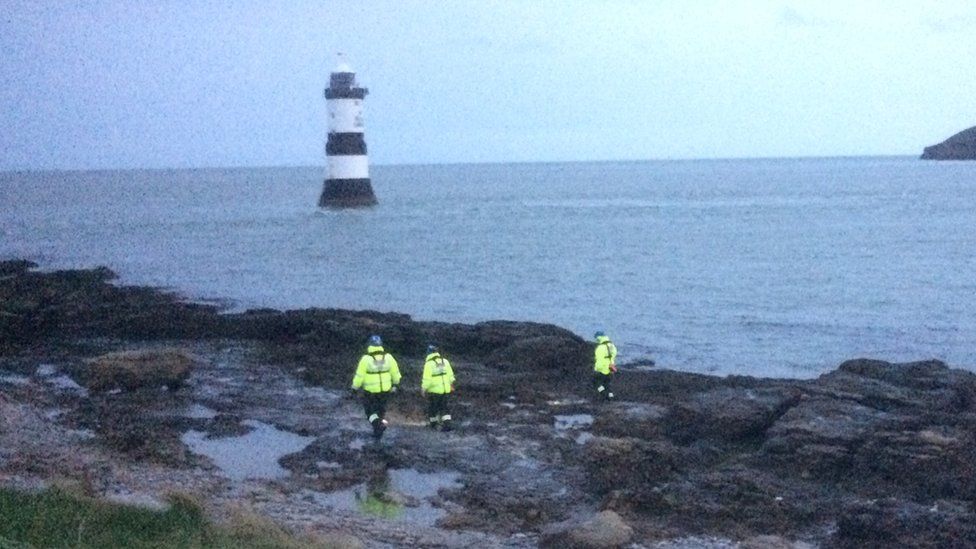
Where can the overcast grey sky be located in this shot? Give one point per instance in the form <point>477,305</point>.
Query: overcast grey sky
<point>239,83</point>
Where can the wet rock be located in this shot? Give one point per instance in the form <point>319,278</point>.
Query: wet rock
<point>773,542</point>
<point>819,436</point>
<point>491,509</point>
<point>922,375</point>
<point>644,421</point>
<point>227,425</point>
<point>25,312</point>
<point>512,497</point>
<point>141,443</point>
<point>16,266</point>
<point>331,370</point>
<point>630,463</point>
<point>605,530</point>
<point>930,462</point>
<point>669,384</point>
<point>327,328</point>
<point>868,428</point>
<point>496,339</point>
<point>553,355</point>
<point>510,344</point>
<point>681,455</point>
<point>736,501</point>
<point>928,385</point>
<point>132,370</point>
<point>340,540</point>
<point>128,423</point>
<point>870,423</point>
<point>897,523</point>
<point>729,414</point>
<point>83,303</point>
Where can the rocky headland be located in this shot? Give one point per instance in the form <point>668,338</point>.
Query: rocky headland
<point>961,146</point>
<point>121,389</point>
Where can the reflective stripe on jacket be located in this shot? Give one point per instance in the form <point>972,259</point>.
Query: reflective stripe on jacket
<point>438,375</point>
<point>605,355</point>
<point>377,371</point>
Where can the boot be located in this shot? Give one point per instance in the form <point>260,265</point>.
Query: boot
<point>378,427</point>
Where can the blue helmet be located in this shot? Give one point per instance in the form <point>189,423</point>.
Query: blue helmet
<point>432,348</point>
<point>599,334</point>
<point>375,341</point>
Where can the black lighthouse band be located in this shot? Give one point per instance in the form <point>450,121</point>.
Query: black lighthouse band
<point>347,93</point>
<point>345,144</point>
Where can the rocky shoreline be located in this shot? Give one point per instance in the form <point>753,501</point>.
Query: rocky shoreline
<point>870,454</point>
<point>961,146</point>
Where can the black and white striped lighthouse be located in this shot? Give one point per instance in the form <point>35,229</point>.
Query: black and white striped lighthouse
<point>348,183</point>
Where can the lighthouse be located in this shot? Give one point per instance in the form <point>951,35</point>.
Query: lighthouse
<point>347,184</point>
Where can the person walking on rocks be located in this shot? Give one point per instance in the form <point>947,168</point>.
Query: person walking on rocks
<point>605,365</point>
<point>437,385</point>
<point>377,375</point>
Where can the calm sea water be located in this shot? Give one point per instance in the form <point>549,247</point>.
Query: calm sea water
<point>765,267</point>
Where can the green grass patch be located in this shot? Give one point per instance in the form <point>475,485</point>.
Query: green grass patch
<point>58,518</point>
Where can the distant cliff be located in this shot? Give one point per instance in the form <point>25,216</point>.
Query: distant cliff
<point>961,146</point>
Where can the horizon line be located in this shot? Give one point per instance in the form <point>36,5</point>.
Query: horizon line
<point>459,163</point>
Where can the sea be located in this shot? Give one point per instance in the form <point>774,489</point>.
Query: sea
<point>763,267</point>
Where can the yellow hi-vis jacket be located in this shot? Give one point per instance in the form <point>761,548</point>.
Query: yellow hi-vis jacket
<point>438,375</point>
<point>605,355</point>
<point>377,371</point>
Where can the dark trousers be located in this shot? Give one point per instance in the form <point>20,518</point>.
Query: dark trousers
<point>602,380</point>
<point>437,407</point>
<point>375,406</point>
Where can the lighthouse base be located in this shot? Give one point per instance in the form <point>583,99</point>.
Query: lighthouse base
<point>347,193</point>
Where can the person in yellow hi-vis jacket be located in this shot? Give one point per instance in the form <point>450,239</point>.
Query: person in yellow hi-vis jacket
<point>377,375</point>
<point>437,384</point>
<point>604,365</point>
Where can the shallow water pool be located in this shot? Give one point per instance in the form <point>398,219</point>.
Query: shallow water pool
<point>404,494</point>
<point>254,455</point>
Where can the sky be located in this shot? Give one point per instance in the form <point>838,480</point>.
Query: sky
<point>172,84</point>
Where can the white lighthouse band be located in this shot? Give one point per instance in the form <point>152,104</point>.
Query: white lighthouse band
<point>347,184</point>
<point>345,116</point>
<point>348,167</point>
